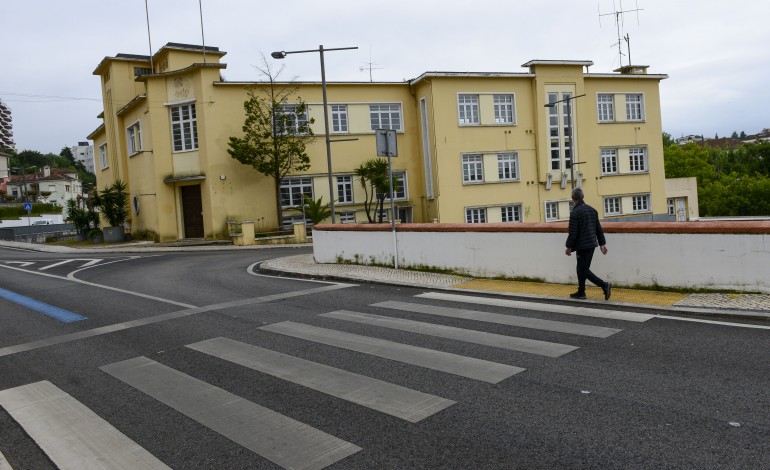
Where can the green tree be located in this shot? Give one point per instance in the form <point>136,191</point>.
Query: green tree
<point>668,140</point>
<point>373,175</point>
<point>734,135</point>
<point>276,132</point>
<point>316,210</point>
<point>743,135</point>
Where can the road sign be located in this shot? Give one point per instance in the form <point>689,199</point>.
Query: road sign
<point>386,143</point>
<point>27,206</point>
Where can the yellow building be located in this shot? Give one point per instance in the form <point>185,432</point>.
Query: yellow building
<point>473,147</point>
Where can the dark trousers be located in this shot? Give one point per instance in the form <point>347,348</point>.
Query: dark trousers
<point>584,258</point>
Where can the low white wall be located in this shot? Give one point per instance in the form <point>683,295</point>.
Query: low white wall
<point>715,261</point>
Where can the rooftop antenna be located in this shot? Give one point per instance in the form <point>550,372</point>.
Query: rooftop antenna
<point>619,23</point>
<point>203,38</point>
<point>149,38</point>
<point>369,65</point>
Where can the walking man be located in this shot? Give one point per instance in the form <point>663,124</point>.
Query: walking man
<point>585,233</point>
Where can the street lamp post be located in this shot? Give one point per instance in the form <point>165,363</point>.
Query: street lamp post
<point>321,50</point>
<point>572,161</point>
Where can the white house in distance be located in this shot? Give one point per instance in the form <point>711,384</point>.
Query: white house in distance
<point>55,186</point>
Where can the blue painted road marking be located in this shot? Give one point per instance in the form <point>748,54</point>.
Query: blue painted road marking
<point>55,312</point>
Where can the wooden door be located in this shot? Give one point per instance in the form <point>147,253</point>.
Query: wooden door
<point>192,211</point>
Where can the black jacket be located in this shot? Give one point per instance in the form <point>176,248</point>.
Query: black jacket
<point>584,228</point>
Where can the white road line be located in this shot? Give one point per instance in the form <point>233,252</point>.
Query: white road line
<point>714,322</point>
<point>469,367</point>
<point>42,343</point>
<point>540,307</point>
<point>73,436</point>
<point>523,322</point>
<point>278,438</point>
<point>395,400</point>
<point>513,343</point>
<point>23,264</point>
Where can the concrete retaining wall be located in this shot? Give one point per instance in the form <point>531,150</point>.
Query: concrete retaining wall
<point>714,255</point>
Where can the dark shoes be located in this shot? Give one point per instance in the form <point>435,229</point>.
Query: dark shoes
<point>607,290</point>
<point>578,295</point>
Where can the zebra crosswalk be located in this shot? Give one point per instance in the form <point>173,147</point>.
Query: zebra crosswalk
<point>74,437</point>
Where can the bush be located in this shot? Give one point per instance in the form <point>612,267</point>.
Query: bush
<point>113,203</point>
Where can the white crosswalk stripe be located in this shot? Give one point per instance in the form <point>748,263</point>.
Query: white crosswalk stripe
<point>540,307</point>
<point>524,322</point>
<point>401,402</point>
<point>72,435</point>
<point>276,437</point>
<point>532,346</point>
<point>472,368</point>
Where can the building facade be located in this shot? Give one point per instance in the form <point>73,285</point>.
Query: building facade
<point>55,186</point>
<point>84,153</point>
<point>472,147</point>
<point>6,127</point>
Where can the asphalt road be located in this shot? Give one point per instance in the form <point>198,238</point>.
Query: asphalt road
<point>194,360</point>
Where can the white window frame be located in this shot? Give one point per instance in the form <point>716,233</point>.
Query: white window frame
<point>609,161</point>
<point>634,106</point>
<point>508,163</point>
<point>473,168</point>
<point>346,217</point>
<point>103,161</point>
<point>671,206</point>
<point>400,194</point>
<point>640,203</point>
<point>605,107</point>
<point>476,215</point>
<point>504,105</point>
<point>339,118</point>
<point>296,120</point>
<point>612,205</point>
<point>551,211</point>
<point>295,187</point>
<point>468,109</point>
<point>637,160</point>
<point>344,189</point>
<point>134,138</point>
<point>512,213</point>
<point>385,116</point>
<point>186,128</point>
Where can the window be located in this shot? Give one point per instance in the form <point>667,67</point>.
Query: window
<point>508,166</point>
<point>67,188</point>
<point>511,213</point>
<point>399,191</point>
<point>476,216</point>
<point>670,202</point>
<point>184,130</point>
<point>293,191</point>
<point>553,126</point>
<point>103,156</point>
<point>348,217</point>
<point>503,109</point>
<point>551,211</point>
<point>291,119</point>
<point>638,159</point>
<point>605,107</point>
<point>287,221</point>
<point>641,203</point>
<point>611,205</point>
<point>385,116</point>
<point>634,107</point>
<point>468,109</point>
<point>345,189</point>
<point>566,117</point>
<point>142,71</point>
<point>609,161</point>
<point>473,169</point>
<point>134,138</point>
<point>339,118</point>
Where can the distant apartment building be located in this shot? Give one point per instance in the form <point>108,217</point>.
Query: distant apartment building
<point>472,147</point>
<point>6,127</point>
<point>84,153</point>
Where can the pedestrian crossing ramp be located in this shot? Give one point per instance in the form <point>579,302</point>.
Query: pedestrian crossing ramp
<point>74,437</point>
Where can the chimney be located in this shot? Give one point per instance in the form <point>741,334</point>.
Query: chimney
<point>46,171</point>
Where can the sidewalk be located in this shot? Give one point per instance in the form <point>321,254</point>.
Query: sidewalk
<point>747,306</point>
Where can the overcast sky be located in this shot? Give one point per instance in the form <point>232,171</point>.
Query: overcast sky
<point>715,52</point>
